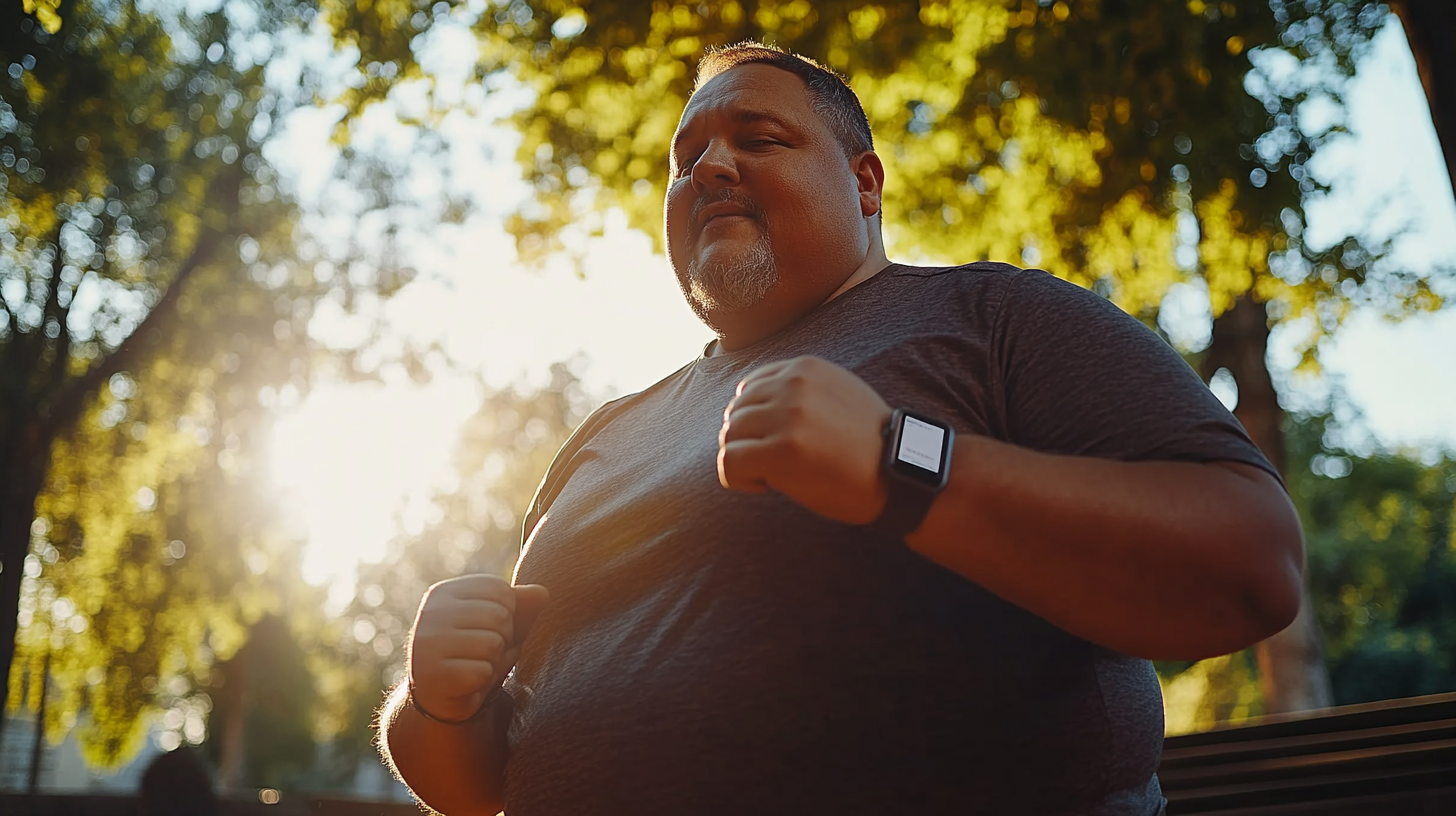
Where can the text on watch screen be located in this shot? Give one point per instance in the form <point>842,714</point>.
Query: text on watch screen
<point>920,444</point>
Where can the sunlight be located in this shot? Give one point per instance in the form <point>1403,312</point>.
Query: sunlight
<point>358,463</point>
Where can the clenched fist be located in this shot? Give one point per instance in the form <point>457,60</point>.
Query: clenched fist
<point>467,636</point>
<point>810,430</point>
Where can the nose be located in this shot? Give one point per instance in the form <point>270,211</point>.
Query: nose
<point>715,167</point>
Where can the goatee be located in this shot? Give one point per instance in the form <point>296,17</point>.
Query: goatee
<point>732,285</point>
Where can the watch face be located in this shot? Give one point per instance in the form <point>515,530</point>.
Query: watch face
<point>921,451</point>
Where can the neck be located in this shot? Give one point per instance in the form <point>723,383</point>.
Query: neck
<point>735,334</point>
<point>872,266</point>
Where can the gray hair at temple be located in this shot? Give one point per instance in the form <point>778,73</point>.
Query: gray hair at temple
<point>831,96</point>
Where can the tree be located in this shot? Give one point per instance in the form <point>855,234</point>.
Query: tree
<point>155,288</point>
<point>1125,146</point>
<point>1382,540</point>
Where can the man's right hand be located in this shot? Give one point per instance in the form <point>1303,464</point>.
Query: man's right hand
<point>466,638</point>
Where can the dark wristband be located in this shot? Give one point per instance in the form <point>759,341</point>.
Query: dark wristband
<point>413,702</point>
<point>905,510</point>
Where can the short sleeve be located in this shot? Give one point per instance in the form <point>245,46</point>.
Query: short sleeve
<point>566,461</point>
<point>1081,377</point>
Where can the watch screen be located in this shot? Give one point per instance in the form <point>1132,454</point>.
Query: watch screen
<point>921,445</point>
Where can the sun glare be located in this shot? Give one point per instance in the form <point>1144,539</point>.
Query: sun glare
<point>356,464</point>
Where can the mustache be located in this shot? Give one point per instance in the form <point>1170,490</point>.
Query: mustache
<point>727,195</point>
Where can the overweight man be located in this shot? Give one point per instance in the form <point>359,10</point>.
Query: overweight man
<point>903,540</point>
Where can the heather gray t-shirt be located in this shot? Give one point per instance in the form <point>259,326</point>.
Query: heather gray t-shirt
<point>708,651</point>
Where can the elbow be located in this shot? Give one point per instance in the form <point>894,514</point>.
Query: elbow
<point>1272,575</point>
<point>1275,593</point>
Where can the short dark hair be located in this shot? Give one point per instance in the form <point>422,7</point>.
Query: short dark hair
<point>831,96</point>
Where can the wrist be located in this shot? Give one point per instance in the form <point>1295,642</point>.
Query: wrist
<point>411,700</point>
<point>914,469</point>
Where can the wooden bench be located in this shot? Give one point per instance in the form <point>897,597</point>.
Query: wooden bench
<point>1397,756</point>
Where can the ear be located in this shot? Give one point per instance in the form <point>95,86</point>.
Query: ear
<point>869,175</point>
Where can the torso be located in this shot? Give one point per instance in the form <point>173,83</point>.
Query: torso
<point>710,651</point>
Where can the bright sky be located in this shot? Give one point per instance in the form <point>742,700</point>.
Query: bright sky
<point>1391,174</point>
<point>358,463</point>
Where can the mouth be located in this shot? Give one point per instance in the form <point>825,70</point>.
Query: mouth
<point>724,212</point>
<point>724,220</point>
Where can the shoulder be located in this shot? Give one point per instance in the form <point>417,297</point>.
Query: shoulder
<point>980,273</point>
<point>973,288</point>
<point>569,457</point>
<point>986,279</point>
<point>1034,299</point>
<point>999,292</point>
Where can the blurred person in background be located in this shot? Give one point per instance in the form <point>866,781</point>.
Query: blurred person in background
<point>177,783</point>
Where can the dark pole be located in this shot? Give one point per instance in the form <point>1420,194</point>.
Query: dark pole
<point>1429,26</point>
<point>35,746</point>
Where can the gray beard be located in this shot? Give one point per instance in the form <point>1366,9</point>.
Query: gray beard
<point>733,286</point>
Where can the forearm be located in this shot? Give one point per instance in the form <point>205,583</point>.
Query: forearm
<point>1165,560</point>
<point>459,770</point>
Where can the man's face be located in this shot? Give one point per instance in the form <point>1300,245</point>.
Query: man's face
<point>764,212</point>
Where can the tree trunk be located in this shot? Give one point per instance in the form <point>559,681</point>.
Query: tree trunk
<point>1430,28</point>
<point>24,458</point>
<point>1292,672</point>
<point>232,704</point>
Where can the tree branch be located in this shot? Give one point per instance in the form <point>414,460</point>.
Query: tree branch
<point>10,322</point>
<point>53,311</point>
<point>68,403</point>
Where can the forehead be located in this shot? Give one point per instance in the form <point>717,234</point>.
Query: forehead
<point>750,90</point>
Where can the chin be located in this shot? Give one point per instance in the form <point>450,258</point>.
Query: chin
<point>734,283</point>
<point>719,316</point>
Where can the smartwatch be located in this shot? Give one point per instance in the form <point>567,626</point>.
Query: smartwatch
<point>915,466</point>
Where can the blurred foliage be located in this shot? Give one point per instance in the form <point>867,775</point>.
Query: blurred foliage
<point>1380,532</point>
<point>1218,691</point>
<point>504,450</point>
<point>156,290</point>
<point>1123,145</point>
<point>150,553</point>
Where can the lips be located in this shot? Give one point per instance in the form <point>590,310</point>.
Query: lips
<point>722,209</point>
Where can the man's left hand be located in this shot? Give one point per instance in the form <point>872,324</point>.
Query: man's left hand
<point>810,430</point>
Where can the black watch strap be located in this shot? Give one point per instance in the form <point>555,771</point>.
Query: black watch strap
<point>905,508</point>
<point>909,499</point>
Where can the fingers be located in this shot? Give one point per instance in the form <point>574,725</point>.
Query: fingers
<point>481,587</point>
<point>755,422</point>
<point>438,651</point>
<point>471,644</point>
<point>459,678</point>
<point>767,382</point>
<point>467,636</point>
<point>758,428</point>
<point>742,464</point>
<point>810,430</point>
<point>466,614</point>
